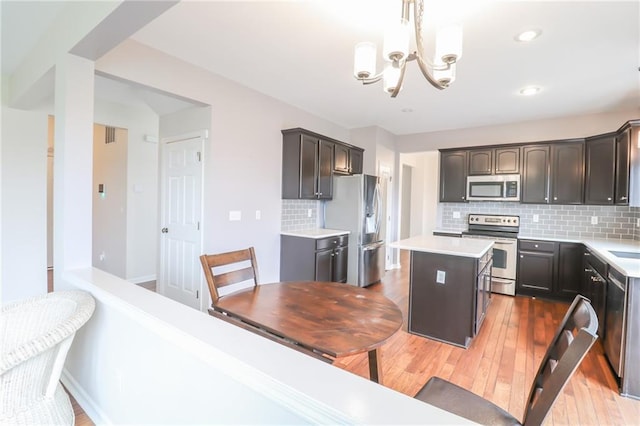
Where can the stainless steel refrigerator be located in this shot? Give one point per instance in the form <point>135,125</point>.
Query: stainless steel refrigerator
<point>357,207</point>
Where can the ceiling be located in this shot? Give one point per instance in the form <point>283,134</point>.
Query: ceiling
<point>301,52</point>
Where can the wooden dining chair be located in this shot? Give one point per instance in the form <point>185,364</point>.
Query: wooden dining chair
<point>235,270</point>
<point>573,339</point>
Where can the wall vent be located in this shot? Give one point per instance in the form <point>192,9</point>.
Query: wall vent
<point>109,134</point>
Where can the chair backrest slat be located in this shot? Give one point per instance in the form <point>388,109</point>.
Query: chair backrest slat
<point>573,339</point>
<point>234,259</point>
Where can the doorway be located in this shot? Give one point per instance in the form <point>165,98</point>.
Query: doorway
<point>405,207</point>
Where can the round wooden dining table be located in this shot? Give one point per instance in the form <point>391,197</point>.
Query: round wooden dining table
<point>327,318</point>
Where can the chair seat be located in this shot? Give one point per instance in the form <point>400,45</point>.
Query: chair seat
<point>56,410</point>
<point>453,398</point>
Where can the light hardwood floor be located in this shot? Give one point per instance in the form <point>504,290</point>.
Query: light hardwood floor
<point>499,364</point>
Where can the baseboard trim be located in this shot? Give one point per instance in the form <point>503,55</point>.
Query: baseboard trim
<point>143,279</point>
<point>89,406</point>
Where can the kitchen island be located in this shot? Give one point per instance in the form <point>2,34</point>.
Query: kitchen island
<point>449,286</point>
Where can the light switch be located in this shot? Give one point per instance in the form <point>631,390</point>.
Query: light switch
<point>440,277</point>
<point>258,214</point>
<point>235,215</point>
<point>594,220</point>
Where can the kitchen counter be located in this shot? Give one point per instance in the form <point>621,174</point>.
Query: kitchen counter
<point>451,246</point>
<point>315,233</point>
<point>602,248</point>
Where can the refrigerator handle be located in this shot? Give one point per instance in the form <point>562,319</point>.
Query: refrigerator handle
<point>378,209</point>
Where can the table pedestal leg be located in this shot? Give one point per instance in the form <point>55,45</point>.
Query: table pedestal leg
<point>375,366</point>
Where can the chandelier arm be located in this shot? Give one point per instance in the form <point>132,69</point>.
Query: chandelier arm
<point>418,13</point>
<point>396,90</point>
<point>371,80</point>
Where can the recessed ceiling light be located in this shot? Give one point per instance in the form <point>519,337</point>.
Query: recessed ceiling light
<point>528,35</point>
<point>406,110</point>
<point>529,90</point>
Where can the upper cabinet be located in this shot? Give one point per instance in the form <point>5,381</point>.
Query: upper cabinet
<point>453,176</point>
<point>347,160</point>
<point>600,169</point>
<point>494,161</point>
<point>535,174</point>
<point>567,172</point>
<point>309,161</point>
<point>623,144</point>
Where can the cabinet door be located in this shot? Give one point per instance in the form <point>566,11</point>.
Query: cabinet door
<point>599,170</point>
<point>567,172</point>
<point>325,170</point>
<point>481,162</point>
<point>507,160</point>
<point>355,161</point>
<point>308,167</point>
<point>536,273</point>
<point>453,176</point>
<point>324,261</point>
<point>340,264</point>
<point>341,159</point>
<point>623,141</point>
<point>535,174</point>
<point>570,270</point>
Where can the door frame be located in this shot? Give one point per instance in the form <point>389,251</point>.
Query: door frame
<point>203,135</point>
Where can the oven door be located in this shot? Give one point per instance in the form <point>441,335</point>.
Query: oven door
<point>505,254</point>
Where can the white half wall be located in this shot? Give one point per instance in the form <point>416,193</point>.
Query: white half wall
<point>24,204</point>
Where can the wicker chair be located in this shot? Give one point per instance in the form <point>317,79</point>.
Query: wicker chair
<point>35,336</point>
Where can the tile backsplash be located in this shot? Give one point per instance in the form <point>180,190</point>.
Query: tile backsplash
<point>561,221</point>
<point>295,214</point>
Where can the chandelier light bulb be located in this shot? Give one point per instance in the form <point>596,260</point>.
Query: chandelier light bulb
<point>445,76</point>
<point>364,64</point>
<point>396,41</point>
<point>390,78</point>
<point>529,90</point>
<point>449,44</point>
<point>528,35</point>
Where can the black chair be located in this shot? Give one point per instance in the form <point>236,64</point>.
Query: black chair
<point>575,336</point>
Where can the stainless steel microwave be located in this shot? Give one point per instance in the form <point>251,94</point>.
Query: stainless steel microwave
<point>493,188</point>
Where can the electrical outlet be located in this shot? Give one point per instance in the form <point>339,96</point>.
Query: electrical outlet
<point>594,220</point>
<point>102,256</point>
<point>441,277</point>
<point>258,215</point>
<point>309,212</point>
<point>456,215</point>
<point>536,218</point>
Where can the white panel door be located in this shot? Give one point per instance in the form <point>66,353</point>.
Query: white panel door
<point>180,275</point>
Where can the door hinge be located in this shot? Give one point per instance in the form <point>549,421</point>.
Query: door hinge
<point>197,294</point>
<point>198,227</point>
<point>199,155</point>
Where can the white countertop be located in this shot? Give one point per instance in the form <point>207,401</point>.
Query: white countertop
<point>315,233</point>
<point>452,246</point>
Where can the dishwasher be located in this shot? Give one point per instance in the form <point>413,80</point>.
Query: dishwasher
<point>616,318</point>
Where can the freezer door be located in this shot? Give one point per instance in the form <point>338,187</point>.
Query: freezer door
<point>370,263</point>
<point>372,210</point>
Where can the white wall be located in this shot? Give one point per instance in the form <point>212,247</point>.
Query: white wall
<point>244,154</point>
<point>24,204</point>
<point>141,185</point>
<point>529,131</point>
<point>109,237</point>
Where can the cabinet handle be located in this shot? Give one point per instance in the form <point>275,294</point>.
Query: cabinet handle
<point>535,245</point>
<point>521,257</point>
<point>555,198</point>
<point>546,198</point>
<point>608,198</point>
<point>623,198</point>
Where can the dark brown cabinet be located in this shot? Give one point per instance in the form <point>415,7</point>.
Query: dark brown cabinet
<point>507,160</point>
<point>453,176</point>
<point>494,161</point>
<point>535,174</point>
<point>600,170</point>
<point>623,141</point>
<point>307,166</point>
<point>347,160</point>
<point>567,172</point>
<point>550,269</point>
<point>481,162</point>
<point>314,259</point>
<point>536,268</point>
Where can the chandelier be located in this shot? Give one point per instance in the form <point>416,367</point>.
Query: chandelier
<point>440,72</point>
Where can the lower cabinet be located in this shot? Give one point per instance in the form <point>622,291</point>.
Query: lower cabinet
<point>314,259</point>
<point>549,269</point>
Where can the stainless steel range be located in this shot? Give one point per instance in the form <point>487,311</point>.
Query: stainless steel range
<point>503,230</point>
